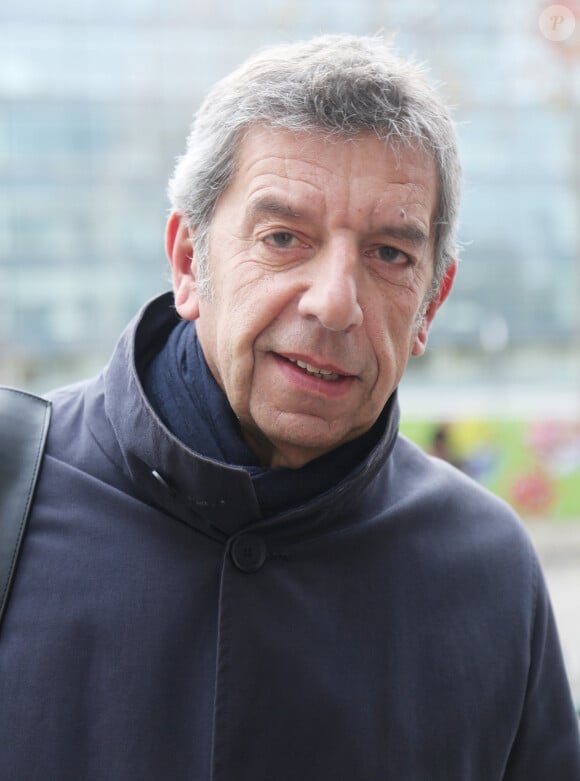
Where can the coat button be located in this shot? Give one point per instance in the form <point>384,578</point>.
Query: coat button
<point>249,552</point>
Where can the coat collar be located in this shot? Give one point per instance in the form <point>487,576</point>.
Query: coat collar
<point>215,498</point>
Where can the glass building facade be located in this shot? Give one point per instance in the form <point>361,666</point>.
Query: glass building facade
<point>95,104</point>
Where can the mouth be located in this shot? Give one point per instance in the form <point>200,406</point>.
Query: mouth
<point>314,371</point>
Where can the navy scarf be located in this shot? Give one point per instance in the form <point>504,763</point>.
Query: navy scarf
<point>183,392</point>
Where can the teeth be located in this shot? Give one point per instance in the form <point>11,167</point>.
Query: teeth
<point>324,374</point>
<point>312,369</point>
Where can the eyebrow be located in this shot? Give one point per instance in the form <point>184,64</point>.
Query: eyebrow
<point>411,234</point>
<point>268,206</point>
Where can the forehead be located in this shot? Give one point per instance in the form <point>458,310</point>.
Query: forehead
<point>361,172</point>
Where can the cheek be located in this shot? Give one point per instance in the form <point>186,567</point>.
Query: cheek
<point>393,338</point>
<point>271,305</point>
<point>238,334</point>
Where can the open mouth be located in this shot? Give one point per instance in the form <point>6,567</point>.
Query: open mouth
<point>323,374</point>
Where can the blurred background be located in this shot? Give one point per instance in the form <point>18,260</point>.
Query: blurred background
<point>96,98</point>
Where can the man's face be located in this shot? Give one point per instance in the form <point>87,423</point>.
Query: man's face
<point>321,258</point>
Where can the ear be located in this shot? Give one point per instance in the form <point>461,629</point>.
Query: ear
<point>420,341</point>
<point>179,249</point>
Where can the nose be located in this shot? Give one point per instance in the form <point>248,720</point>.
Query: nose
<point>331,295</point>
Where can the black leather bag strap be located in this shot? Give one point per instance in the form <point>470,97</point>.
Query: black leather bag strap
<point>24,421</point>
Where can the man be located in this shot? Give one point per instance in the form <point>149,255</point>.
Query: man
<point>235,568</point>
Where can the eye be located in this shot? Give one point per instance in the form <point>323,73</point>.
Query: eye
<point>392,255</point>
<point>281,239</point>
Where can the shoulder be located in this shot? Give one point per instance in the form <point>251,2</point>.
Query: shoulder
<point>459,521</point>
<point>81,440</point>
<point>445,487</point>
<point>72,406</point>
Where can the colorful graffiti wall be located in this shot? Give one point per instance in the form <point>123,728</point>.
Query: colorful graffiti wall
<point>534,465</point>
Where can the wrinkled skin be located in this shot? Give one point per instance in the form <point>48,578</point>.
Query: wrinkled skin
<point>320,251</point>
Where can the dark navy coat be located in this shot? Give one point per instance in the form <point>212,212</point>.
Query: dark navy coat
<point>397,627</point>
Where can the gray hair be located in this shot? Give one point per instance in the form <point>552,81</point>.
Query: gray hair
<point>338,85</point>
